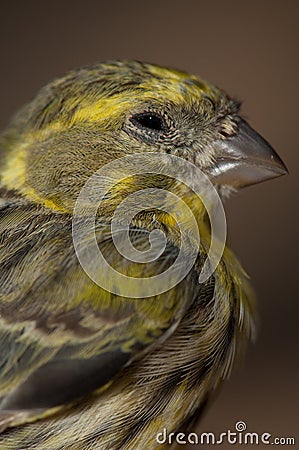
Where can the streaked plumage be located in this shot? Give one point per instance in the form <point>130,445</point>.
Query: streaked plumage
<point>82,368</point>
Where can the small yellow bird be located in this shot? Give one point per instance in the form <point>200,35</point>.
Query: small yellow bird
<point>88,366</point>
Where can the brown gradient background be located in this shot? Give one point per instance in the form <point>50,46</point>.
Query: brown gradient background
<point>251,50</point>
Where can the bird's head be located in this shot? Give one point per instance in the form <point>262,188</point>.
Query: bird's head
<point>80,122</point>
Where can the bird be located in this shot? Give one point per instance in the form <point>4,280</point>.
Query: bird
<point>84,366</point>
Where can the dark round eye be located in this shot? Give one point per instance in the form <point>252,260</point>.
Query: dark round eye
<point>149,120</point>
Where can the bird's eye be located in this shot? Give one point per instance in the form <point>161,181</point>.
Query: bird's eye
<point>149,120</point>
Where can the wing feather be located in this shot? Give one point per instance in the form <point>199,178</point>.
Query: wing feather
<point>62,336</point>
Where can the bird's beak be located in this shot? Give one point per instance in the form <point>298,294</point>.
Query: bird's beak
<point>245,159</point>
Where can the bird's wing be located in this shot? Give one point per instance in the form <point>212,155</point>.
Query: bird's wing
<point>61,335</point>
